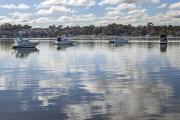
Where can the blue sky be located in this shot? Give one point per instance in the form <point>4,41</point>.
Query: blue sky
<point>42,13</point>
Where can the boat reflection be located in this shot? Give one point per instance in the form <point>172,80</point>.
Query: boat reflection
<point>24,52</point>
<point>163,47</point>
<point>118,44</point>
<point>63,47</point>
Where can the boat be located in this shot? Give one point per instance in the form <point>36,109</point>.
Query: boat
<point>163,40</point>
<point>118,40</point>
<point>24,43</point>
<point>63,40</point>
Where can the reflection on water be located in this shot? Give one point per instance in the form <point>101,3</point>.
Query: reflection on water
<point>122,101</point>
<point>163,48</point>
<point>24,52</point>
<point>63,47</point>
<point>90,81</point>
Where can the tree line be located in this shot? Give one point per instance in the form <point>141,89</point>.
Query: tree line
<point>112,30</point>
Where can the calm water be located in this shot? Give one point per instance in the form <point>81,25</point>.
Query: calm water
<point>138,81</point>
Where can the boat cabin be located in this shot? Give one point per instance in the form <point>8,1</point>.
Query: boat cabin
<point>59,39</point>
<point>163,39</point>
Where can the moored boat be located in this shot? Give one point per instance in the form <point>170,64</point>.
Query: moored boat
<point>163,40</point>
<point>24,43</point>
<point>119,40</point>
<point>63,40</point>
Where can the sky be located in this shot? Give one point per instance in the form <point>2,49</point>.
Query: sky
<point>42,13</point>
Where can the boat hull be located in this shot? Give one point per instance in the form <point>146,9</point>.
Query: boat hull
<point>119,41</point>
<point>64,42</point>
<point>163,43</point>
<point>163,40</point>
<point>26,45</point>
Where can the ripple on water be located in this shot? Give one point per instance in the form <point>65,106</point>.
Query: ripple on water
<point>90,81</point>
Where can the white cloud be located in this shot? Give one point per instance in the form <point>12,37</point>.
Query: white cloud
<point>104,2</point>
<point>163,5</point>
<point>116,11</point>
<point>114,2</point>
<point>175,6</point>
<point>170,17</point>
<point>12,6</point>
<point>23,16</point>
<point>86,3</point>
<point>122,18</point>
<point>137,11</point>
<point>174,13</point>
<point>124,13</point>
<point>121,7</point>
<point>78,19</point>
<point>83,3</point>
<point>44,12</point>
<point>155,1</point>
<point>14,20</point>
<point>55,9</point>
<point>38,22</point>
<point>42,20</point>
<point>5,19</point>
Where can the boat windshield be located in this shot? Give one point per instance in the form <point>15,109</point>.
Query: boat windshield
<point>21,40</point>
<point>64,38</point>
<point>118,38</point>
<point>59,39</point>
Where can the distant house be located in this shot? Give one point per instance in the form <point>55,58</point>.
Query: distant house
<point>147,36</point>
<point>21,33</point>
<point>6,34</point>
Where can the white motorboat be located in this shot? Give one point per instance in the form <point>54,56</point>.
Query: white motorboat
<point>24,43</point>
<point>63,40</point>
<point>163,40</point>
<point>119,40</point>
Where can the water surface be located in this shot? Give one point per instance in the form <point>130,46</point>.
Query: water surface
<point>137,81</point>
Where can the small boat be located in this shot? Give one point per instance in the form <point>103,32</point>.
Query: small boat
<point>163,40</point>
<point>119,40</point>
<point>24,43</point>
<point>63,40</point>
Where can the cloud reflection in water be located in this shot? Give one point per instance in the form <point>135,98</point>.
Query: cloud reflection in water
<point>94,81</point>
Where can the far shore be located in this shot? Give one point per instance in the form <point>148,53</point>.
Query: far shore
<point>86,38</point>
